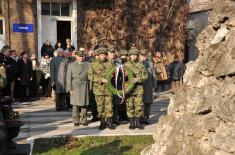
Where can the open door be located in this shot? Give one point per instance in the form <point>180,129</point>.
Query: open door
<point>63,31</point>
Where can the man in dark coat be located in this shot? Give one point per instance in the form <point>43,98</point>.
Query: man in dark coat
<point>11,71</point>
<point>24,75</point>
<point>58,70</point>
<point>116,100</point>
<point>149,84</point>
<point>77,86</point>
<point>177,70</point>
<point>47,48</point>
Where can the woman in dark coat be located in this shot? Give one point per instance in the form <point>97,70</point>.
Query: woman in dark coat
<point>47,48</point>
<point>24,75</point>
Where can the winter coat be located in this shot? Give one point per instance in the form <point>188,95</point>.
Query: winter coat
<point>47,49</point>
<point>160,71</point>
<point>77,81</point>
<point>25,71</point>
<point>149,83</point>
<point>45,67</point>
<point>177,70</point>
<point>58,70</point>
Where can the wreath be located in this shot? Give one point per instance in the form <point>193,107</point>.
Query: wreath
<point>127,86</point>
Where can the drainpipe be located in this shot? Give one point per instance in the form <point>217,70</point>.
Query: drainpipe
<point>9,21</point>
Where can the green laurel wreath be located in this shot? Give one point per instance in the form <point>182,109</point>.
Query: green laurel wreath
<point>129,84</point>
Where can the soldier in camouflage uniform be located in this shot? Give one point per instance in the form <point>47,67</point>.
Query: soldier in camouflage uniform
<point>96,73</point>
<point>92,102</point>
<point>134,100</point>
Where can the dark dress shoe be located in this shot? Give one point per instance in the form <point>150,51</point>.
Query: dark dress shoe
<point>76,124</point>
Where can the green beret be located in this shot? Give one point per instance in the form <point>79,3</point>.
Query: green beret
<point>79,53</point>
<point>133,51</point>
<point>101,51</point>
<point>123,52</point>
<point>143,52</point>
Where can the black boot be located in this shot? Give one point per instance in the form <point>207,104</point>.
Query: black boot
<point>115,121</point>
<point>102,124</point>
<point>95,119</point>
<point>132,123</point>
<point>138,123</point>
<point>145,121</point>
<point>110,124</point>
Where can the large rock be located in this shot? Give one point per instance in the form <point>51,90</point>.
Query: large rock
<point>201,116</point>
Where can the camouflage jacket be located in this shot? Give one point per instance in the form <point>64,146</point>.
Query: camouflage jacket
<point>140,73</point>
<point>96,73</point>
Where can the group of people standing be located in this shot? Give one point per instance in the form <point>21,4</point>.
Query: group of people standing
<point>87,75</point>
<point>79,80</point>
<point>84,78</point>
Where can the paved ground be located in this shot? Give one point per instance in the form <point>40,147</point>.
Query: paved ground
<point>41,120</point>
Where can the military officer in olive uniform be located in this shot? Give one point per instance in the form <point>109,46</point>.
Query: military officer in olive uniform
<point>134,100</point>
<point>96,73</point>
<point>77,86</point>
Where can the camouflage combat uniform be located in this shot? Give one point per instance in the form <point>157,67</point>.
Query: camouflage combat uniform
<point>103,97</point>
<point>134,99</point>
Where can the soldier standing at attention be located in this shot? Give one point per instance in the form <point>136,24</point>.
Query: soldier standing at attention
<point>77,86</point>
<point>96,73</point>
<point>135,97</point>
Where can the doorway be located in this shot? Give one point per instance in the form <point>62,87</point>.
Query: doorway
<point>63,31</point>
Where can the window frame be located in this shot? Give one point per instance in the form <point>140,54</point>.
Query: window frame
<point>60,9</point>
<point>49,8</point>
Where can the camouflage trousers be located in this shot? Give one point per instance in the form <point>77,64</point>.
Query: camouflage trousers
<point>134,106</point>
<point>104,106</point>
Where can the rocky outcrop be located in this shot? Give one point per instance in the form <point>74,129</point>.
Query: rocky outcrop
<point>201,116</point>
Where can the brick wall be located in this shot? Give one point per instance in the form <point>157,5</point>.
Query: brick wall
<point>25,12</point>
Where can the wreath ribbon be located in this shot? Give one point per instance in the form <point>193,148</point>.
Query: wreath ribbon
<point>118,69</point>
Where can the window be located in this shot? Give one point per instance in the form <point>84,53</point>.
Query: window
<point>1,27</point>
<point>0,7</point>
<point>46,9</point>
<point>56,9</point>
<point>64,9</point>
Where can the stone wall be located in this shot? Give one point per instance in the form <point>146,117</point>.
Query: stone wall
<point>201,116</point>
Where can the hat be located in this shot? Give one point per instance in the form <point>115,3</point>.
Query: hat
<point>79,53</point>
<point>101,50</point>
<point>123,52</point>
<point>143,52</point>
<point>133,51</point>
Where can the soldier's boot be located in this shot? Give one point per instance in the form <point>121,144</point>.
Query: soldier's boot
<point>110,124</point>
<point>138,123</point>
<point>115,121</point>
<point>132,123</point>
<point>102,124</point>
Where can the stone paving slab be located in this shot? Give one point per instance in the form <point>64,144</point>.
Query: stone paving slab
<point>41,120</point>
